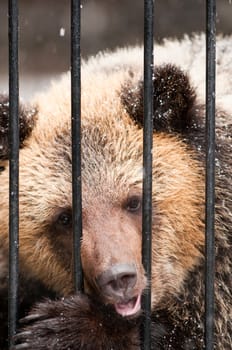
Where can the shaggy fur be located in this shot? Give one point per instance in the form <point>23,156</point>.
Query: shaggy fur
<point>26,124</point>
<point>112,120</point>
<point>99,326</point>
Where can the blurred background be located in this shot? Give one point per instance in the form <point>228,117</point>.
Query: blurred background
<point>44,47</point>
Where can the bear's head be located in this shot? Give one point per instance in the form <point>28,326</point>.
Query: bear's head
<point>112,174</point>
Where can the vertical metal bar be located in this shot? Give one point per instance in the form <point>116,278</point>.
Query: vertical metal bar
<point>210,172</point>
<point>14,167</point>
<point>147,164</point>
<point>76,139</point>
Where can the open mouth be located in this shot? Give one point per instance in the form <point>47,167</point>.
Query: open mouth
<point>129,308</point>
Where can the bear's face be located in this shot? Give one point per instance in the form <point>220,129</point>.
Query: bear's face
<point>112,176</point>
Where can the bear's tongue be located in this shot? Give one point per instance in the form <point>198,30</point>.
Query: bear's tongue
<point>129,308</point>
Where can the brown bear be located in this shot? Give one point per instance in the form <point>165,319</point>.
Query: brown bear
<point>107,315</point>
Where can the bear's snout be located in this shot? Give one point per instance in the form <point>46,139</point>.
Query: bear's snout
<point>117,283</point>
<point>118,280</point>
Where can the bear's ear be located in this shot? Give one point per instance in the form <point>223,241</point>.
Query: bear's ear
<point>174,100</point>
<point>26,124</point>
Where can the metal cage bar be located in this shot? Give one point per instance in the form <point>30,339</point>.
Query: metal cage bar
<point>147,161</point>
<point>210,172</point>
<point>14,168</point>
<point>76,140</point>
<point>147,165</point>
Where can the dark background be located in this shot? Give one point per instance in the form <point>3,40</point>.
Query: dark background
<point>45,30</point>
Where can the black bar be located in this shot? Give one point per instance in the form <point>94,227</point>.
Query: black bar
<point>147,165</point>
<point>210,173</point>
<point>14,168</point>
<point>76,140</point>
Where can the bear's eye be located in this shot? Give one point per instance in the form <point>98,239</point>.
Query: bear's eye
<point>134,204</point>
<point>64,220</point>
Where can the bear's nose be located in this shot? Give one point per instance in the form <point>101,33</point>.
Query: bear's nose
<point>118,280</point>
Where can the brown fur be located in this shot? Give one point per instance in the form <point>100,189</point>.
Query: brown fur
<point>26,124</point>
<point>98,329</point>
<point>111,175</point>
<point>100,178</point>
